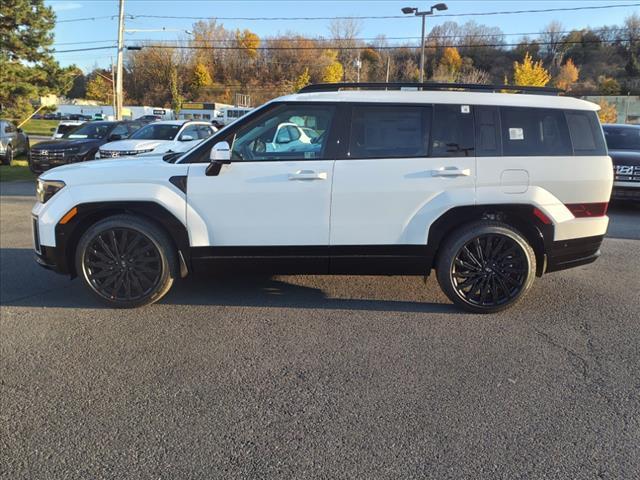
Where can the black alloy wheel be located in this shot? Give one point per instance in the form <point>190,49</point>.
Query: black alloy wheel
<point>489,270</point>
<point>122,264</point>
<point>486,266</point>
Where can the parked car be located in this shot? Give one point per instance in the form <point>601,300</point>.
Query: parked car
<point>148,118</point>
<point>159,137</point>
<point>623,142</point>
<point>488,189</point>
<point>64,127</point>
<point>13,141</point>
<point>78,145</point>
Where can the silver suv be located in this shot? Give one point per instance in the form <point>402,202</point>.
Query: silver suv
<point>13,141</point>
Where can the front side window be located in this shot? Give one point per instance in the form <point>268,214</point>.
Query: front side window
<point>121,130</point>
<point>452,134</point>
<point>190,131</point>
<point>156,131</point>
<point>534,132</point>
<point>389,131</point>
<point>276,135</point>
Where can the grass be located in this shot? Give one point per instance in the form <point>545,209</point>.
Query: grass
<point>40,127</point>
<point>18,170</point>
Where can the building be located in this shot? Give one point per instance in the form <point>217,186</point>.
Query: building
<point>202,110</point>
<point>627,106</point>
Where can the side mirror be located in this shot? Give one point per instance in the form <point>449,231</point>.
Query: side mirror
<point>186,138</point>
<point>114,137</point>
<point>53,130</point>
<point>220,155</point>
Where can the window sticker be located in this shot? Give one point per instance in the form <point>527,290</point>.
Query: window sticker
<point>465,109</point>
<point>516,134</point>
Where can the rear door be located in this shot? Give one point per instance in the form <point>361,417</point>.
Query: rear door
<point>403,166</point>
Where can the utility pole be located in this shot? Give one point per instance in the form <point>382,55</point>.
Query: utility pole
<point>388,65</point>
<point>113,87</point>
<point>118,95</point>
<point>424,16</point>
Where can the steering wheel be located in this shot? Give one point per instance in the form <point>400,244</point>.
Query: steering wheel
<point>319,138</point>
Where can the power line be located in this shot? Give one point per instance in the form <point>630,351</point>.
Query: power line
<point>386,17</point>
<point>386,47</point>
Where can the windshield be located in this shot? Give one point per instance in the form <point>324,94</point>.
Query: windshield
<point>62,129</point>
<point>157,132</point>
<point>90,130</point>
<point>624,138</point>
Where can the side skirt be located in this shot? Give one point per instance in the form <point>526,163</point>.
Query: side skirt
<point>344,259</point>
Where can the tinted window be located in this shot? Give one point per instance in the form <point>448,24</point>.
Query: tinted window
<point>622,138</point>
<point>268,137</point>
<point>93,130</point>
<point>157,131</point>
<point>121,130</point>
<point>452,132</point>
<point>586,134</point>
<point>487,127</point>
<point>389,131</point>
<point>534,131</point>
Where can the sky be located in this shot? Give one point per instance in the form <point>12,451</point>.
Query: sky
<point>102,32</point>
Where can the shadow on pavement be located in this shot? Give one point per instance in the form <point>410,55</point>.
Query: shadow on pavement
<point>24,284</point>
<point>624,220</point>
<point>25,188</point>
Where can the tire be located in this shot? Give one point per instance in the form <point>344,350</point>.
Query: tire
<point>8,156</point>
<point>126,261</point>
<point>486,266</point>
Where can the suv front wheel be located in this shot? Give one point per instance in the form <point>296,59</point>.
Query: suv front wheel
<point>126,261</point>
<point>486,266</point>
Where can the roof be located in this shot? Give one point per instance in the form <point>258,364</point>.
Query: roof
<point>179,122</point>
<point>452,97</point>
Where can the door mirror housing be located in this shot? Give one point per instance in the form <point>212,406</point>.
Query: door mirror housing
<point>186,138</point>
<point>220,155</point>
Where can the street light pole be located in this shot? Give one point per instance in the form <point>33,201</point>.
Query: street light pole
<point>424,16</point>
<point>417,13</point>
<point>119,94</point>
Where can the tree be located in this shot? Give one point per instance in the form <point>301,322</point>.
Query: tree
<point>333,72</point>
<point>530,73</point>
<point>607,112</point>
<point>633,66</point>
<point>248,42</point>
<point>201,76</point>
<point>25,55</point>
<point>303,80</point>
<point>608,86</point>
<point>174,87</point>
<point>567,76</point>
<point>98,88</point>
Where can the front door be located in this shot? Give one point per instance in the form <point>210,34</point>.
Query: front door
<point>267,201</point>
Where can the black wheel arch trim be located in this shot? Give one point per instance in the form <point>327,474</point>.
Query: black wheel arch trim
<point>519,216</point>
<point>68,235</point>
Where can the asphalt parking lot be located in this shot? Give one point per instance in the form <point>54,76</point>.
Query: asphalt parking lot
<point>319,377</point>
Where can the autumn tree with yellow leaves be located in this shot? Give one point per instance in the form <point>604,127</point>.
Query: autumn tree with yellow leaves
<point>567,76</point>
<point>530,73</point>
<point>607,112</point>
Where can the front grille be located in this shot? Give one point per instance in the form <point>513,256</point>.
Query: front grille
<point>626,173</point>
<point>46,156</point>
<point>36,234</point>
<point>118,153</point>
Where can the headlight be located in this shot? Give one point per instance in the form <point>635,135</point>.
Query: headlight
<point>45,189</point>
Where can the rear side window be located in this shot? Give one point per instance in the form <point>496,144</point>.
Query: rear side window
<point>586,134</point>
<point>534,132</point>
<point>452,133</point>
<point>389,131</point>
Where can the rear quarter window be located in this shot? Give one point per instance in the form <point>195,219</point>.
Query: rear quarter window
<point>586,133</point>
<point>534,132</point>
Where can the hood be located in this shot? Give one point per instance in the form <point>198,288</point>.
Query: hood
<point>134,145</point>
<point>67,143</point>
<point>625,157</point>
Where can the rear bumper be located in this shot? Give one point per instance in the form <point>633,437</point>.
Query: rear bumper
<point>626,192</point>
<point>573,253</point>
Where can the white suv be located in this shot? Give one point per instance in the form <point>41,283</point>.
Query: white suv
<point>159,137</point>
<point>489,189</point>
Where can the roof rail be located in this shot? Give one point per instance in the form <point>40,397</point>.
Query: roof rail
<point>335,87</point>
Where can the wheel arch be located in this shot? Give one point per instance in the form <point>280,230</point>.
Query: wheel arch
<point>68,234</point>
<point>519,216</point>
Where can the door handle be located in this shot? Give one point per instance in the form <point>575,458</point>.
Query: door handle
<point>451,172</point>
<point>308,175</point>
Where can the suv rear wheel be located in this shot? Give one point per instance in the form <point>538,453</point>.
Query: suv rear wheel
<point>8,155</point>
<point>486,267</point>
<point>126,261</point>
